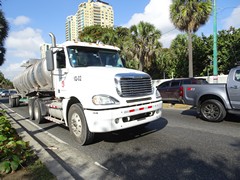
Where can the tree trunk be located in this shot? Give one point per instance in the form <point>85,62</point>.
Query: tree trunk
<point>190,56</point>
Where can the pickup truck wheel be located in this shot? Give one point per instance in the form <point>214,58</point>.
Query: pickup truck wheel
<point>39,118</point>
<point>78,125</point>
<point>212,110</point>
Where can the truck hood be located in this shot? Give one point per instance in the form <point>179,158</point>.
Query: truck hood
<point>107,71</point>
<point>84,83</point>
<point>99,80</point>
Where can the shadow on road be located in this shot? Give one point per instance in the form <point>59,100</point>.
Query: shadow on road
<point>190,112</point>
<point>193,112</point>
<point>232,118</point>
<point>132,133</point>
<point>174,164</point>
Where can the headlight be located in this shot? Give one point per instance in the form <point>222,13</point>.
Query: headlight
<point>104,100</point>
<point>158,95</point>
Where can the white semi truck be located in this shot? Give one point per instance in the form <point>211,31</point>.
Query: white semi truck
<point>86,87</point>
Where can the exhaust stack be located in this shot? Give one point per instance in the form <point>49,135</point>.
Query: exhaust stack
<point>53,39</point>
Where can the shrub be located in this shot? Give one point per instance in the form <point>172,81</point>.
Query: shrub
<point>13,151</point>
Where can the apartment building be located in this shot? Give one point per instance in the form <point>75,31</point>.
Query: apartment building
<point>93,12</point>
<point>43,48</point>
<point>71,28</point>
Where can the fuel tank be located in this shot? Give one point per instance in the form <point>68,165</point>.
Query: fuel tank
<point>35,77</point>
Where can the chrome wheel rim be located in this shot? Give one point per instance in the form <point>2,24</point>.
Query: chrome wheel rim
<point>76,124</point>
<point>30,111</point>
<point>36,114</point>
<point>211,111</point>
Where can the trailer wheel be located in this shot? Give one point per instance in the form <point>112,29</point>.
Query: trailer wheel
<point>30,108</point>
<point>78,125</point>
<point>17,101</point>
<point>12,102</point>
<point>39,118</point>
<point>212,110</point>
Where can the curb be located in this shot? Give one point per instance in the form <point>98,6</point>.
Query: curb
<point>61,161</point>
<point>176,106</point>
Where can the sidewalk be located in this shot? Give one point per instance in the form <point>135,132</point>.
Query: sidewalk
<point>62,161</point>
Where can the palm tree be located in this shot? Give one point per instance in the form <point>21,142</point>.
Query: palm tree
<point>110,37</point>
<point>188,16</point>
<point>3,34</point>
<point>146,39</point>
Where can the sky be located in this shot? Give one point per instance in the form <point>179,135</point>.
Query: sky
<point>31,21</point>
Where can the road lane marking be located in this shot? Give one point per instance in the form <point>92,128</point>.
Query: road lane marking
<point>101,166</point>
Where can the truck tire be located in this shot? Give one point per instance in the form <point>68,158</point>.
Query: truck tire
<point>212,110</point>
<point>12,102</point>
<point>17,102</point>
<point>78,125</point>
<point>37,111</point>
<point>31,108</point>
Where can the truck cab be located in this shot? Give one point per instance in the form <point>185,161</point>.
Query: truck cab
<point>86,87</point>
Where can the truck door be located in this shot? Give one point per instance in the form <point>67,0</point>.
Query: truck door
<point>233,88</point>
<point>60,73</point>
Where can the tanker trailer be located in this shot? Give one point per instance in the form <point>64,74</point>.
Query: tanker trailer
<point>35,79</point>
<point>86,87</point>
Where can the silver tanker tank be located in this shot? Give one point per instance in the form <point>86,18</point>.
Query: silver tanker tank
<point>35,77</point>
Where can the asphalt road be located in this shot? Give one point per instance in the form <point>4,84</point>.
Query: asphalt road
<point>177,146</point>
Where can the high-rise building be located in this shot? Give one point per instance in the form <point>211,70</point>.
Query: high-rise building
<point>43,48</point>
<point>93,12</point>
<point>71,28</point>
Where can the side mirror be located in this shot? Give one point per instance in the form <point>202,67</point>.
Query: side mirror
<point>50,62</point>
<point>124,62</point>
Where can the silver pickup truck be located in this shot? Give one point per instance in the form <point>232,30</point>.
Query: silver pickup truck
<point>214,101</point>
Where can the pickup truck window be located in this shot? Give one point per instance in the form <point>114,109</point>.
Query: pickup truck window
<point>165,84</point>
<point>237,75</point>
<point>175,83</point>
<point>187,81</point>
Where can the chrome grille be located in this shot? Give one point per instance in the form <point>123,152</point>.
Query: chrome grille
<point>133,85</point>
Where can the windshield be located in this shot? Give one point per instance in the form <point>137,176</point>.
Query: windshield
<point>83,56</point>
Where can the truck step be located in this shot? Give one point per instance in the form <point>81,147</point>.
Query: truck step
<point>54,120</point>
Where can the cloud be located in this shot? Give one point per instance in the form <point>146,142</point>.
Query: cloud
<point>157,13</point>
<point>14,68</point>
<point>25,43</point>
<point>21,45</point>
<point>21,20</point>
<point>233,19</point>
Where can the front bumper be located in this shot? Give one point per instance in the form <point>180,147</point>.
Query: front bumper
<point>116,119</point>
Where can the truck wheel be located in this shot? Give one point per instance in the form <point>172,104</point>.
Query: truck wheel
<point>78,125</point>
<point>17,102</point>
<point>12,102</point>
<point>30,108</point>
<point>212,110</point>
<point>39,118</point>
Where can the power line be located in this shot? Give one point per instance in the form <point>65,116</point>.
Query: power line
<point>169,31</point>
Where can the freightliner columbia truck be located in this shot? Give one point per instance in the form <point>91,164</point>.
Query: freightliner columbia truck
<point>86,87</point>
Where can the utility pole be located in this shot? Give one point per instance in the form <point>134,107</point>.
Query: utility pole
<point>215,65</point>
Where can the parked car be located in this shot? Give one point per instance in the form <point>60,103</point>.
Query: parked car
<point>6,93</point>
<point>171,91</point>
